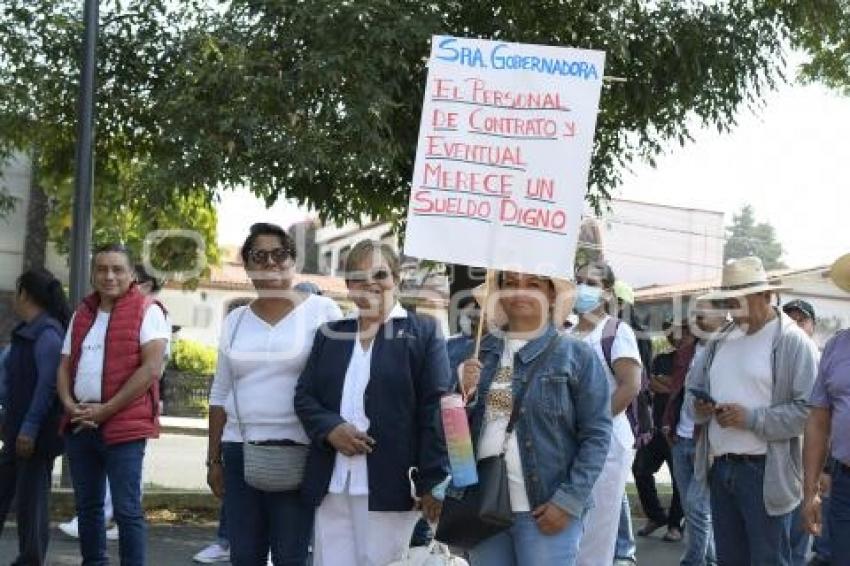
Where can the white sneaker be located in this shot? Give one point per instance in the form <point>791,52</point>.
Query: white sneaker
<point>212,554</point>
<point>112,533</point>
<point>71,528</point>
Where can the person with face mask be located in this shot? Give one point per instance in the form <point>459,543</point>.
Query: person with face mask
<point>623,370</point>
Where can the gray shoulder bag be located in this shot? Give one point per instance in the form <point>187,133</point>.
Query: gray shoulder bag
<point>269,465</point>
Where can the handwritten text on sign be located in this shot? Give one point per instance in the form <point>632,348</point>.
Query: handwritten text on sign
<point>503,155</point>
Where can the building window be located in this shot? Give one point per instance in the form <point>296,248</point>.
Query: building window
<point>327,263</point>
<point>343,256</point>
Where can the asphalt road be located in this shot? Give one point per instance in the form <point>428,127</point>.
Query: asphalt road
<point>173,545</point>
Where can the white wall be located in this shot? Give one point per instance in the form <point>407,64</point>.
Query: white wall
<point>334,239</point>
<point>832,306</point>
<point>650,244</point>
<point>200,313</point>
<point>15,176</point>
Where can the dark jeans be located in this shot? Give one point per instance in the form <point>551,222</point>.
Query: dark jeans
<point>27,482</point>
<point>260,521</point>
<point>800,539</point>
<point>92,462</point>
<point>648,461</point>
<point>222,537</point>
<point>744,534</point>
<point>839,517</point>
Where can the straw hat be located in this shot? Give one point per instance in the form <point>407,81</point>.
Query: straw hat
<point>840,272</point>
<point>741,277</point>
<point>565,296</point>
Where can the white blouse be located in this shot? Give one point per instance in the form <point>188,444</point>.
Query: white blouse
<point>262,362</point>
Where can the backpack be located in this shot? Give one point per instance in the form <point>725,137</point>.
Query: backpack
<point>639,412</point>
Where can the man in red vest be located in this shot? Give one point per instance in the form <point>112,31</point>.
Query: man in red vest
<point>109,384</point>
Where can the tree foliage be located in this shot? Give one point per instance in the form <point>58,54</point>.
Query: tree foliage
<point>319,100</point>
<point>824,33</point>
<point>40,44</point>
<point>746,238</point>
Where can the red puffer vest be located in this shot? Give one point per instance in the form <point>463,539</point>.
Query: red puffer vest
<point>122,356</point>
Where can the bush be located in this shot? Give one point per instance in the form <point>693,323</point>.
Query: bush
<point>192,357</point>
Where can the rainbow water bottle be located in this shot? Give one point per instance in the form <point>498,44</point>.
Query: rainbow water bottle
<point>458,440</point>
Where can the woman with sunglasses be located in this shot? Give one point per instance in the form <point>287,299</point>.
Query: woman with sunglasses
<point>369,401</point>
<point>262,351</point>
<point>557,448</point>
<point>622,366</point>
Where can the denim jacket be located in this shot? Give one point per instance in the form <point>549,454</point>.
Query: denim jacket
<point>564,427</point>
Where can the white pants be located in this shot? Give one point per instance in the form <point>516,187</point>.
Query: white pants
<point>603,520</point>
<point>348,534</point>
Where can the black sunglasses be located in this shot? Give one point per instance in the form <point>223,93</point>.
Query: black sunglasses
<point>277,255</point>
<point>380,274</point>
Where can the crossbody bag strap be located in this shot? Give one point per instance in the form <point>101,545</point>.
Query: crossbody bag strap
<point>233,383</point>
<point>520,396</point>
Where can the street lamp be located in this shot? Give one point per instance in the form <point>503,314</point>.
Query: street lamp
<point>81,229</point>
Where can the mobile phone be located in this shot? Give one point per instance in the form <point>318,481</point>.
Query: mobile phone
<point>702,395</point>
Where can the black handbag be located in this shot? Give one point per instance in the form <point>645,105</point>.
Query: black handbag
<point>483,510</point>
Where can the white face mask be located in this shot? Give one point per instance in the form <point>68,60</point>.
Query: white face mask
<point>465,324</point>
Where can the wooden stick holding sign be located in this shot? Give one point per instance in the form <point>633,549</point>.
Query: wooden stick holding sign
<point>482,320</point>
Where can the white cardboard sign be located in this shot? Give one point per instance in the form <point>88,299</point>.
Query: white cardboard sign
<point>504,151</point>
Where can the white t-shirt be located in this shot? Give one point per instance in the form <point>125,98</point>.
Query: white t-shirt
<point>624,346</point>
<point>264,362</point>
<point>741,373</point>
<point>496,417</point>
<point>351,473</point>
<point>88,384</point>
<point>685,428</point>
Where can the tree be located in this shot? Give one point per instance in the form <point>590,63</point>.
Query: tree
<point>304,235</point>
<point>824,32</point>
<point>746,238</point>
<point>319,100</point>
<point>39,48</point>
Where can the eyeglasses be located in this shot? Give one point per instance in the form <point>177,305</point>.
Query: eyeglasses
<point>358,277</point>
<point>277,255</point>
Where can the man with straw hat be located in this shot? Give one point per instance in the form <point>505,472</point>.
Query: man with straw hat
<point>828,427</point>
<point>750,390</point>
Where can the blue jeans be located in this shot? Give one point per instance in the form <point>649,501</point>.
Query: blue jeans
<point>27,484</point>
<point>696,502</point>
<point>222,537</point>
<point>744,533</point>
<point>524,545</point>
<point>839,517</point>
<point>625,549</point>
<point>91,462</point>
<point>800,538</point>
<point>279,522</point>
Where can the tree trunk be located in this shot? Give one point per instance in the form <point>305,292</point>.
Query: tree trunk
<point>35,243</point>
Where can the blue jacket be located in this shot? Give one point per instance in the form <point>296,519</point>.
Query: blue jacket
<point>410,373</point>
<point>30,401</point>
<point>565,428</point>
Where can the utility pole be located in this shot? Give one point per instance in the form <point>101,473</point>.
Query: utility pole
<point>81,229</point>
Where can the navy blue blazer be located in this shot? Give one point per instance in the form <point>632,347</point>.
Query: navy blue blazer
<point>409,375</point>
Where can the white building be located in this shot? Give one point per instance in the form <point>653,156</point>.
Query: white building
<point>646,244</point>
<point>15,177</point>
<point>654,244</point>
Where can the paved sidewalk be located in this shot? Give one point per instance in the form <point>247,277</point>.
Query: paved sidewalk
<point>174,545</point>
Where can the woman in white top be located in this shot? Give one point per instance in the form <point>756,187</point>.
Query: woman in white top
<point>262,351</point>
<point>595,293</point>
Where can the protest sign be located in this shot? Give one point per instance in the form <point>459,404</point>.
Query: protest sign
<point>504,151</point>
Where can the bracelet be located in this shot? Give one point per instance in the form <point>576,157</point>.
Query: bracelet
<point>214,462</point>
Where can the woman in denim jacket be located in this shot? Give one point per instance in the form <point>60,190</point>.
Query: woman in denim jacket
<point>562,435</point>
